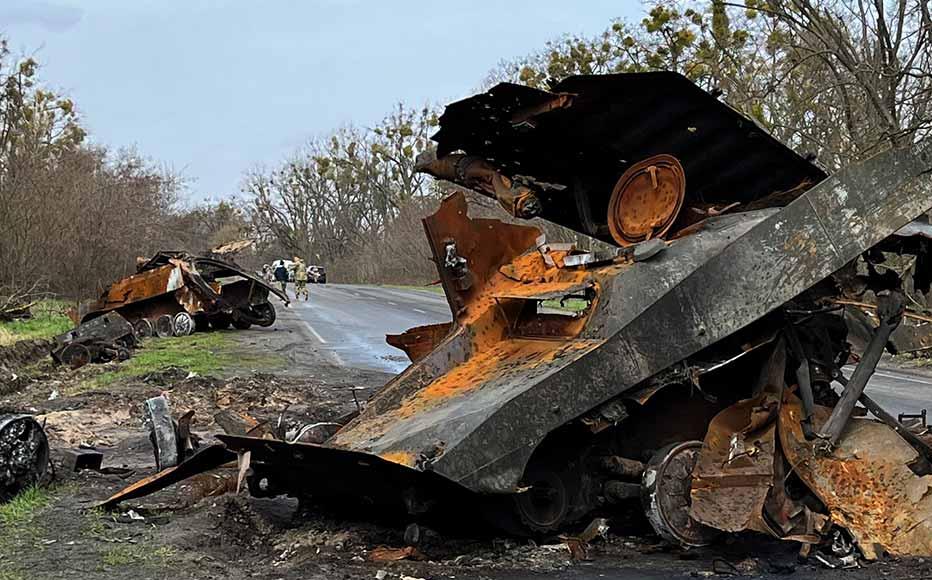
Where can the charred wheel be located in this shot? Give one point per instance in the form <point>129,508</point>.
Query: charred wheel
<point>143,328</point>
<point>264,314</point>
<point>666,495</point>
<point>164,326</point>
<point>544,507</point>
<point>76,355</point>
<point>24,454</point>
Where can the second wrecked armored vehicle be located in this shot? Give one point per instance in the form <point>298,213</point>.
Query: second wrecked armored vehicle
<point>697,376</point>
<point>175,293</point>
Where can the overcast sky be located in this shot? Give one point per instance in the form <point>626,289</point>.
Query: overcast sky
<point>214,88</point>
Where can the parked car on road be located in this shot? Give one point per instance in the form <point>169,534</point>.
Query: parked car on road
<point>316,275</point>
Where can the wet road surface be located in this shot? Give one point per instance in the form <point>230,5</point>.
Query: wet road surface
<point>350,322</point>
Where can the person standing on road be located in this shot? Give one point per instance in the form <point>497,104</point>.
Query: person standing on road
<point>281,275</point>
<point>300,280</point>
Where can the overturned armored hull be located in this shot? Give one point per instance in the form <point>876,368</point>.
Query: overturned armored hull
<point>700,368</point>
<point>174,294</point>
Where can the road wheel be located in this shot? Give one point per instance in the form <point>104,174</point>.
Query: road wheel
<point>544,507</point>
<point>241,324</point>
<point>76,356</point>
<point>264,314</point>
<point>183,324</point>
<point>164,326</point>
<point>143,328</point>
<point>665,495</point>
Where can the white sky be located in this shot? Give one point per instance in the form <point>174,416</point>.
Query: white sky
<point>213,88</point>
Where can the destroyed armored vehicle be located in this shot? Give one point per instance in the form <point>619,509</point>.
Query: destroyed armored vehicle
<point>105,338</point>
<point>705,374</point>
<point>174,294</point>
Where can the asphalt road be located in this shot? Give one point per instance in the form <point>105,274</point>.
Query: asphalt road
<point>350,324</point>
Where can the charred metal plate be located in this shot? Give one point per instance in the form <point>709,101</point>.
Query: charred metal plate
<point>610,123</point>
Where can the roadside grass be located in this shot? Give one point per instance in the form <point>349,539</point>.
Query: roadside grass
<point>19,530</point>
<point>433,289</point>
<point>21,510</point>
<point>201,353</point>
<point>204,353</point>
<point>122,555</point>
<point>571,304</point>
<point>48,320</point>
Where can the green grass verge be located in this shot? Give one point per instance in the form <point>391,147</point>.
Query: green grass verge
<point>135,555</point>
<point>203,353</point>
<point>19,530</point>
<point>571,304</point>
<point>48,320</point>
<point>21,510</point>
<point>433,289</point>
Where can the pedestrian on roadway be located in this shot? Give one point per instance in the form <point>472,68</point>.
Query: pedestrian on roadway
<point>281,275</point>
<point>300,279</point>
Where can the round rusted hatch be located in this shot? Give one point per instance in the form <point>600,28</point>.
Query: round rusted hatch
<point>646,200</point>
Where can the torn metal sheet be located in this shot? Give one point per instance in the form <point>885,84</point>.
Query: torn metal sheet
<point>204,459</point>
<point>607,123</point>
<point>735,471</point>
<point>866,483</point>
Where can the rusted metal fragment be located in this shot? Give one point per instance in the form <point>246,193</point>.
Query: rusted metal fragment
<point>450,224</point>
<point>554,291</point>
<point>866,482</point>
<point>417,342</point>
<point>735,470</point>
<point>204,459</point>
<point>108,337</point>
<point>481,176</point>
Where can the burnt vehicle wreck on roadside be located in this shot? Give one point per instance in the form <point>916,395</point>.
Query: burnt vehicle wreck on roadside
<point>176,293</point>
<point>700,377</point>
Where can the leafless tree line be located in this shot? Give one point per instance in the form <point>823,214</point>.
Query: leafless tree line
<point>73,217</point>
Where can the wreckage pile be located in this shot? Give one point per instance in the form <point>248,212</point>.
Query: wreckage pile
<point>172,294</point>
<point>704,377</point>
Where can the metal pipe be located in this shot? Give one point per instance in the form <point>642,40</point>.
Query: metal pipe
<point>890,310</point>
<point>891,421</point>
